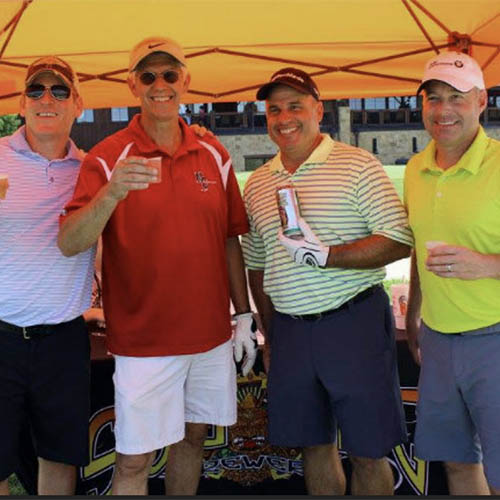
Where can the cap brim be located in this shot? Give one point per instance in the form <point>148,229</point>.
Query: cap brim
<point>55,73</point>
<point>264,91</point>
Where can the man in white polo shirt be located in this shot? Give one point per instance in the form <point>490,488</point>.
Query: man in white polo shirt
<point>327,318</point>
<point>44,345</point>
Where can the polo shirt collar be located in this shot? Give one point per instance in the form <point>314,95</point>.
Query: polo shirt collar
<point>19,144</point>
<point>190,141</point>
<point>318,156</point>
<point>471,160</point>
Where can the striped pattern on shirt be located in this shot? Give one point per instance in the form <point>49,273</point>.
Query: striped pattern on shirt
<point>344,195</point>
<point>38,284</point>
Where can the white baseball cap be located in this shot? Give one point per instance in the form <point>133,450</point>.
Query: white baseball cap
<point>152,45</point>
<point>457,69</point>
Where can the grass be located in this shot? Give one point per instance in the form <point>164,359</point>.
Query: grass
<point>395,172</point>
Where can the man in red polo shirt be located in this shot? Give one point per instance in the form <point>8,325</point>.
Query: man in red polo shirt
<point>171,260</point>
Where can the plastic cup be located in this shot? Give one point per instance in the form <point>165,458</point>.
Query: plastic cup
<point>4,185</point>
<point>156,163</point>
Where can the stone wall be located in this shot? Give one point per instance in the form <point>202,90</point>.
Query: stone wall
<point>251,144</point>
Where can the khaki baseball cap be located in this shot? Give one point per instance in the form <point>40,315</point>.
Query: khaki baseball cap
<point>55,65</point>
<point>152,45</point>
<point>457,69</point>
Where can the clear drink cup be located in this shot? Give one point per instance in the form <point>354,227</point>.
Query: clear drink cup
<point>156,163</point>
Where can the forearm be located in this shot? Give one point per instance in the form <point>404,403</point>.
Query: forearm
<point>262,301</point>
<point>368,253</point>
<point>414,296</point>
<point>80,230</point>
<point>237,278</point>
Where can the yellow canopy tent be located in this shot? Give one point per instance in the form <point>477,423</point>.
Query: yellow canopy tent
<point>354,48</point>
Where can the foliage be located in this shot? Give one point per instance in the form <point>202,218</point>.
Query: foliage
<point>9,124</point>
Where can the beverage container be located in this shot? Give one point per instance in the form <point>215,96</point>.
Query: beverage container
<point>289,211</point>
<point>4,185</point>
<point>399,295</point>
<point>156,163</point>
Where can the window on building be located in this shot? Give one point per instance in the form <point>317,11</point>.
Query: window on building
<point>414,145</point>
<point>252,162</point>
<point>87,116</point>
<point>119,114</point>
<point>374,146</point>
<point>356,104</point>
<point>375,103</point>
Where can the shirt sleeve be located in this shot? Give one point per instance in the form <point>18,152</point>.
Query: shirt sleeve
<point>252,244</point>
<point>380,206</point>
<point>91,178</point>
<point>237,217</point>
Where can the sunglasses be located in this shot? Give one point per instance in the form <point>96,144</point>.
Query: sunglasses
<point>37,90</point>
<point>148,77</point>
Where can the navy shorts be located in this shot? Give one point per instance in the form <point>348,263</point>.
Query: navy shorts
<point>45,388</point>
<point>337,372</point>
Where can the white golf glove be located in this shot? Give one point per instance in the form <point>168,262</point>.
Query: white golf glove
<point>245,339</point>
<point>308,250</point>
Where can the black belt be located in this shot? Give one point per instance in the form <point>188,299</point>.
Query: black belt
<point>357,298</point>
<point>29,331</point>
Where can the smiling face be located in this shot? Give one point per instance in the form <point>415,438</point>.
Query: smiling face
<point>47,118</point>
<point>160,100</point>
<point>452,117</point>
<point>293,120</point>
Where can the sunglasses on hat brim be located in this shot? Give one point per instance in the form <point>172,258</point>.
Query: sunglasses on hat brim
<point>37,90</point>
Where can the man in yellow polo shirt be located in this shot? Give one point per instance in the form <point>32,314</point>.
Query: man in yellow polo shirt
<point>452,194</point>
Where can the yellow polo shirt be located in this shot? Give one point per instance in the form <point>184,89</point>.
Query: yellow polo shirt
<point>460,206</point>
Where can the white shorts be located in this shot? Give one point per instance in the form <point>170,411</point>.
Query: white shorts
<point>155,396</point>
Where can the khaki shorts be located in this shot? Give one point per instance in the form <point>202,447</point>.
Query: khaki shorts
<point>155,396</point>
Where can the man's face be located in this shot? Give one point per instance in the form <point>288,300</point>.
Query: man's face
<point>159,101</point>
<point>293,119</point>
<point>452,117</point>
<point>48,117</point>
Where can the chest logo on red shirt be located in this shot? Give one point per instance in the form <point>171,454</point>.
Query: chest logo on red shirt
<point>202,180</point>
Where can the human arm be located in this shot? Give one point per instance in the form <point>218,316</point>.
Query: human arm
<point>81,229</point>
<point>245,338</point>
<point>366,253</point>
<point>450,261</point>
<point>413,311</point>
<point>264,308</point>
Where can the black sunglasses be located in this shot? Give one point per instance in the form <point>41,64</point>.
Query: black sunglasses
<point>148,77</point>
<point>37,90</point>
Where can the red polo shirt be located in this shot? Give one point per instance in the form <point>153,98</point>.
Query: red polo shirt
<point>165,282</point>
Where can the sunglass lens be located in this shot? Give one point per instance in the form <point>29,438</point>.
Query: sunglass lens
<point>171,76</point>
<point>35,91</point>
<point>147,78</point>
<point>60,92</point>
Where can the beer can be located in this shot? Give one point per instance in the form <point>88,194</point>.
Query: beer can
<point>288,207</point>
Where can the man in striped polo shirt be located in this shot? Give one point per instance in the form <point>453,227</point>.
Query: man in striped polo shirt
<point>452,191</point>
<point>44,345</point>
<point>326,317</point>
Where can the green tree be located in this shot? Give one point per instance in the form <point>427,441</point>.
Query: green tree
<point>9,124</point>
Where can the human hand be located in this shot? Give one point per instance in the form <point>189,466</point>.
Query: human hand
<point>307,250</point>
<point>450,261</point>
<point>95,315</point>
<point>245,339</point>
<point>200,130</point>
<point>131,174</point>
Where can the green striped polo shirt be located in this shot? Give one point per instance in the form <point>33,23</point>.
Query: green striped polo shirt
<point>344,195</point>
<point>459,206</point>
